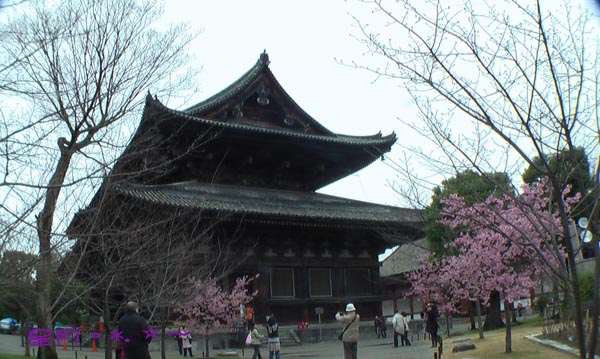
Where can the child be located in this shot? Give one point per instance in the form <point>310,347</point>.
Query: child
<point>256,337</point>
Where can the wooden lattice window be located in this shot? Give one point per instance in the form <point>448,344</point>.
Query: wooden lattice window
<point>320,282</point>
<point>282,283</point>
<point>358,281</point>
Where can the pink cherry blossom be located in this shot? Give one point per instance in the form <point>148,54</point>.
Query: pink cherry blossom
<point>209,307</point>
<point>504,243</point>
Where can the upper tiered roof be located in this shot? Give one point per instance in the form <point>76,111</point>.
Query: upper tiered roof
<point>259,137</point>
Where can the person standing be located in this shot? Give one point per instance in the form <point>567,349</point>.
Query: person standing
<point>350,319</point>
<point>273,337</point>
<point>134,328</point>
<point>377,326</point>
<point>249,316</point>
<point>398,326</point>
<point>383,327</point>
<point>431,324</point>
<point>256,337</point>
<point>179,340</point>
<point>404,338</point>
<point>186,341</point>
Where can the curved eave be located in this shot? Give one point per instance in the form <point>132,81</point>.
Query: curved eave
<point>230,91</point>
<point>248,79</point>
<point>372,140</point>
<point>269,203</point>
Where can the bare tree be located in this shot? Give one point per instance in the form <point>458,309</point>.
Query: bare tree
<point>496,86</point>
<point>138,250</point>
<point>83,68</point>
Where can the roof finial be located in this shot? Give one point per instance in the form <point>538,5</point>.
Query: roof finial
<point>264,58</point>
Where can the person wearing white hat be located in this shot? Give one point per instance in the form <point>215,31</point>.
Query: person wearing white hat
<point>349,336</point>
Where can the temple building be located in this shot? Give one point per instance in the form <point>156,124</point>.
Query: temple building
<point>249,161</point>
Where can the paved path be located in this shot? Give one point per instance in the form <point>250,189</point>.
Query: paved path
<point>368,348</point>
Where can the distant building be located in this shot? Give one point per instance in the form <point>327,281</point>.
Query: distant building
<point>254,179</point>
<point>394,269</point>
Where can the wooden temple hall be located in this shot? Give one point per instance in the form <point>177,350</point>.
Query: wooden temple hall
<point>249,160</point>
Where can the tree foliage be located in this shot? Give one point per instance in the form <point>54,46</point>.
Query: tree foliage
<point>80,69</point>
<point>469,185</point>
<point>505,244</point>
<point>573,169</point>
<point>17,278</point>
<point>210,306</point>
<point>496,85</point>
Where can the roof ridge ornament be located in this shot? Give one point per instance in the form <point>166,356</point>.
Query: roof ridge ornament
<point>264,58</point>
<point>263,95</point>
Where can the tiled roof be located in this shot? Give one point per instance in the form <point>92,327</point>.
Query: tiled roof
<point>259,72</point>
<point>405,258</point>
<point>271,203</point>
<point>374,140</point>
<point>260,68</point>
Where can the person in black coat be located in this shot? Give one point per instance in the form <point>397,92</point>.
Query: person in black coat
<point>179,340</point>
<point>133,327</point>
<point>431,324</point>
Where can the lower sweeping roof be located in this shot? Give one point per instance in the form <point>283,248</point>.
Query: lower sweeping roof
<point>271,202</point>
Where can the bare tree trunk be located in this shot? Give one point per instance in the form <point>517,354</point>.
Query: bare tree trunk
<point>27,346</point>
<point>163,330</point>
<point>206,337</point>
<point>44,228</point>
<point>593,340</point>
<point>574,295</point>
<point>593,223</point>
<point>513,313</point>
<point>472,314</point>
<point>107,328</point>
<point>478,309</point>
<point>508,344</point>
<point>493,319</point>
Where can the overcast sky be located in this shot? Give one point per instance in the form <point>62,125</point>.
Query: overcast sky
<point>304,40</point>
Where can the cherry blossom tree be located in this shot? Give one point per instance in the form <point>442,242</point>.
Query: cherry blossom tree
<point>498,86</point>
<point>209,307</point>
<point>505,244</point>
<point>511,240</point>
<point>434,281</point>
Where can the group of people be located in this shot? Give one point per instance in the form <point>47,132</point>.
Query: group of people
<point>133,327</point>
<point>184,341</point>
<point>273,341</point>
<point>400,323</point>
<point>380,327</point>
